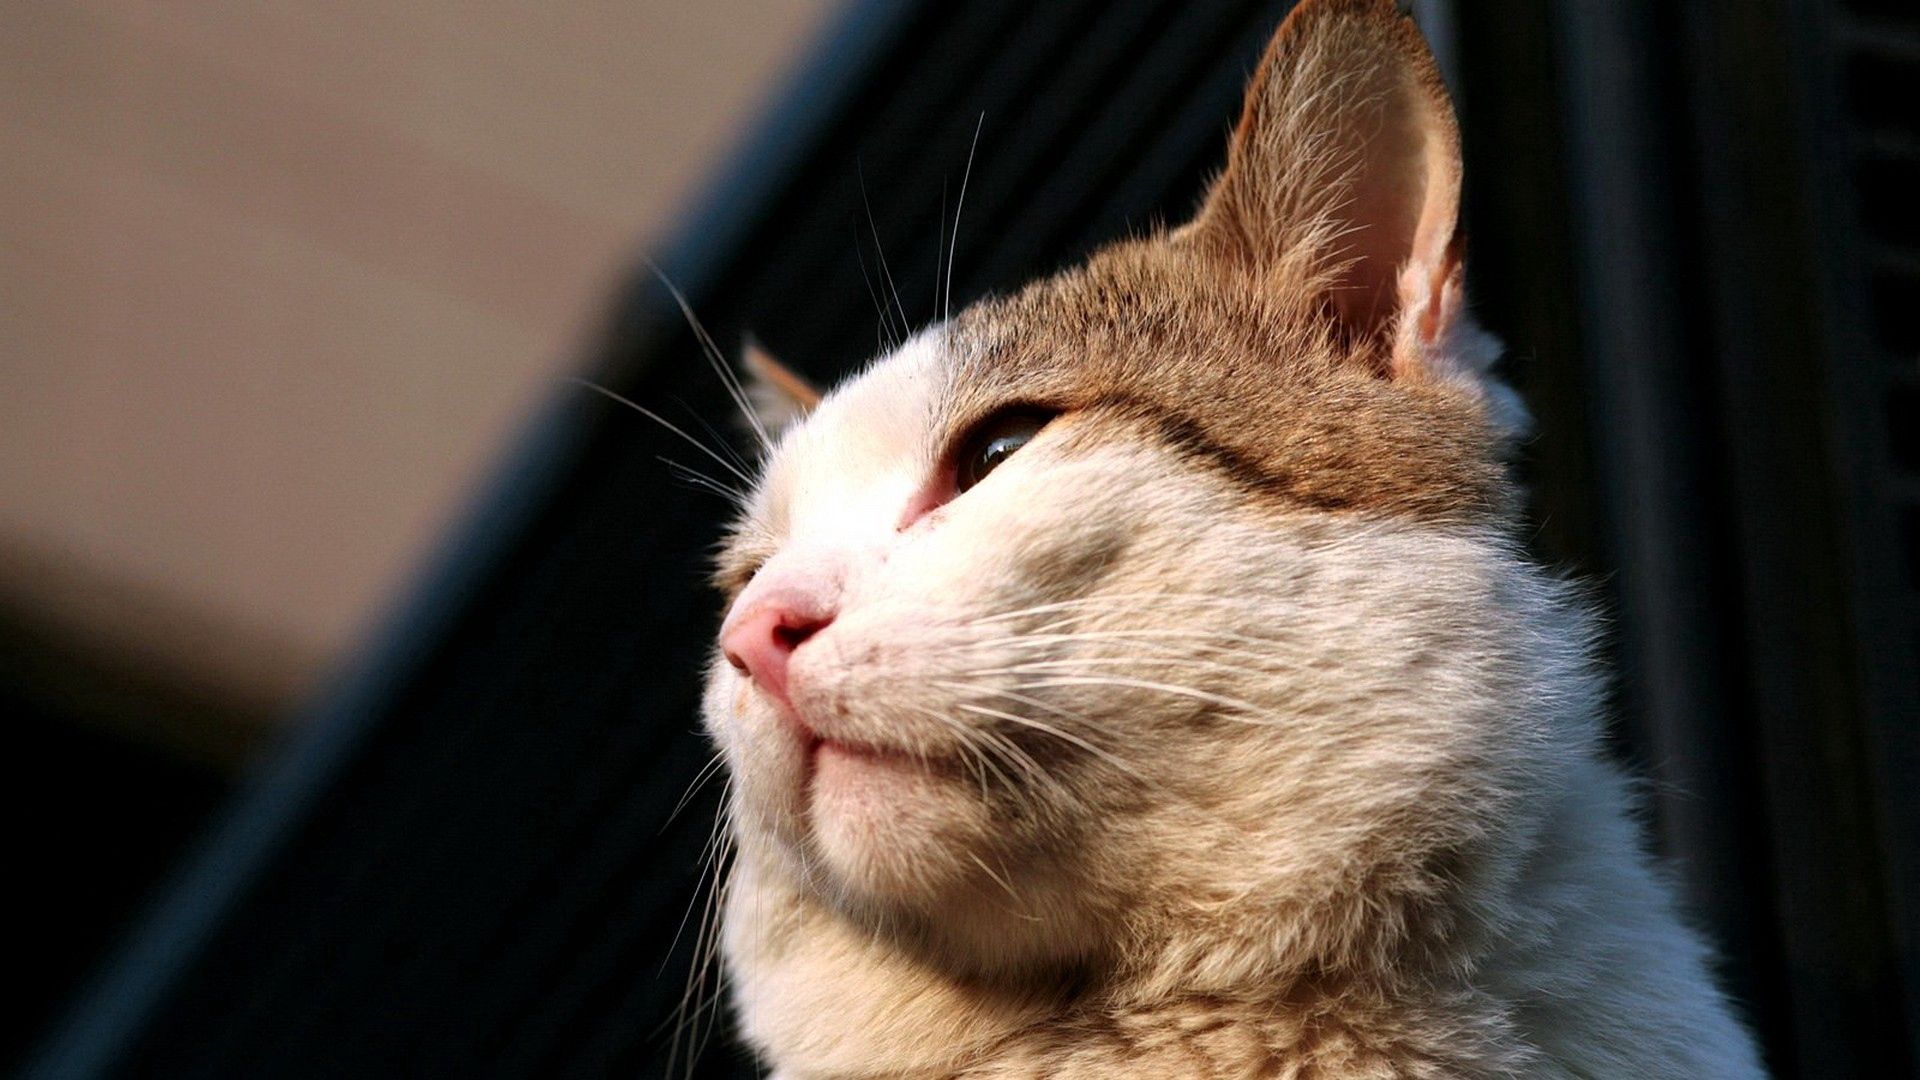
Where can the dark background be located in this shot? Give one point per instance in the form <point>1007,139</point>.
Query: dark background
<point>1694,225</point>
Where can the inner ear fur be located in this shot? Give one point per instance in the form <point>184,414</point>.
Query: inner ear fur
<point>780,397</point>
<point>1343,178</point>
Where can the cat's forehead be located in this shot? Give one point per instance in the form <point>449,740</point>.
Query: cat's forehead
<point>1149,341</point>
<point>1143,318</point>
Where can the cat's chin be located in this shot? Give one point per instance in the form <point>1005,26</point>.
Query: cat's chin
<point>910,845</point>
<point>893,828</point>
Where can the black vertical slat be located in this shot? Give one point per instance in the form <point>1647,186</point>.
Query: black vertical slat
<point>1871,381</point>
<point>1664,510</point>
<point>1770,364</point>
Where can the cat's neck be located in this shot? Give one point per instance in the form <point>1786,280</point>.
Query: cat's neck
<point>1580,913</point>
<point>826,998</point>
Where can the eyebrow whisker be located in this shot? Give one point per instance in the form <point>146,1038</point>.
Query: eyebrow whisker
<point>663,422</point>
<point>728,379</point>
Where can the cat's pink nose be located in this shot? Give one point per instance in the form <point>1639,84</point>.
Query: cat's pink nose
<point>760,641</point>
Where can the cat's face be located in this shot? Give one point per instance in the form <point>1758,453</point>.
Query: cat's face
<point>1153,590</point>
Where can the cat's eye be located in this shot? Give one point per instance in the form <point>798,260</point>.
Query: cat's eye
<point>993,442</point>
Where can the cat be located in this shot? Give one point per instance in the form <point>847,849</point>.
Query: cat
<point>1139,675</point>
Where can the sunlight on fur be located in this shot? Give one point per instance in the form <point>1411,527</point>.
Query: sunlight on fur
<point>1139,675</point>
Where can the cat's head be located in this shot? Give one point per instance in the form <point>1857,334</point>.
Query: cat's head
<point>1174,590</point>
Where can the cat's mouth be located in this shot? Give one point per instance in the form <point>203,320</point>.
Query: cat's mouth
<point>857,751</point>
<point>840,757</point>
<point>819,743</point>
<point>820,750</point>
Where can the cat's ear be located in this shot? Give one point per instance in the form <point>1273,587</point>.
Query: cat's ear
<point>1343,178</point>
<point>779,397</point>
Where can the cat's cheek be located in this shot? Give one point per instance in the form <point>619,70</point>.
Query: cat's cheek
<point>768,766</point>
<point>892,829</point>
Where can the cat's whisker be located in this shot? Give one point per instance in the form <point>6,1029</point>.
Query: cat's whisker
<point>1224,652</point>
<point>706,1004</point>
<point>966,737</point>
<point>1113,601</point>
<point>880,250</point>
<point>709,887</point>
<point>724,884</point>
<point>622,399</point>
<point>1049,729</point>
<point>940,250</point>
<point>1025,699</point>
<point>1104,600</point>
<point>1013,695</point>
<point>1196,635</point>
<point>884,339</point>
<point>1224,701</point>
<point>706,858</point>
<point>1302,699</point>
<point>711,769</point>
<point>1263,651</point>
<point>728,379</point>
<point>1006,885</point>
<point>722,442</point>
<point>1065,616</point>
<point>703,481</point>
<point>991,746</point>
<point>1025,763</point>
<point>946,307</point>
<point>1073,663</point>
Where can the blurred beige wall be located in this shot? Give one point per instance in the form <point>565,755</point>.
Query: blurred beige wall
<point>277,280</point>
